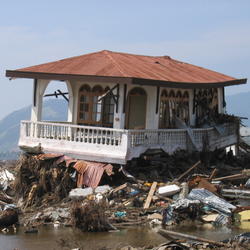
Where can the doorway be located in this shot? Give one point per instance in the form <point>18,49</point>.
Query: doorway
<point>137,106</point>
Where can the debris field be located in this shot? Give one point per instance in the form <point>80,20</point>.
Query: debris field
<point>157,189</point>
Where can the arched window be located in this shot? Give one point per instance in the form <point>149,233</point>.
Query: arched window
<point>206,105</point>
<point>84,103</point>
<point>172,106</point>
<point>108,109</point>
<point>96,107</point>
<point>165,109</point>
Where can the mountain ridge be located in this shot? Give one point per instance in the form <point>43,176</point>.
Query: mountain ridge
<point>53,110</point>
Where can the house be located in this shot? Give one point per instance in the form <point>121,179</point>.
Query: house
<point>120,105</point>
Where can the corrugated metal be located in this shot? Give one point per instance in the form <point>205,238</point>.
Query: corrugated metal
<point>114,64</point>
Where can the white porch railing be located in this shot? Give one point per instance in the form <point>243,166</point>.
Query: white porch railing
<point>73,133</point>
<point>118,145</point>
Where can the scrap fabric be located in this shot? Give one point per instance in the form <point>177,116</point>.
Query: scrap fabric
<point>90,173</point>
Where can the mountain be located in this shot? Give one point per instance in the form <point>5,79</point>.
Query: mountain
<point>53,110</point>
<point>239,104</point>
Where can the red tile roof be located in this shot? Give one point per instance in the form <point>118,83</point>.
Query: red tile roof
<point>123,65</point>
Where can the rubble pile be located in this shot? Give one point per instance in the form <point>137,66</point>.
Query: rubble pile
<point>90,216</point>
<point>156,189</point>
<point>39,180</point>
<point>162,167</point>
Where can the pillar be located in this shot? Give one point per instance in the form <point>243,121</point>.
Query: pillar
<point>192,114</point>
<point>71,102</point>
<point>39,87</point>
<point>220,101</point>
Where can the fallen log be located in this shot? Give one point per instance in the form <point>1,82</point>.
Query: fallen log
<point>189,170</point>
<point>166,233</point>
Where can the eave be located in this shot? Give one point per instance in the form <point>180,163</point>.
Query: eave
<point>122,80</point>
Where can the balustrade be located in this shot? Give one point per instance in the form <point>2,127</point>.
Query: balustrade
<point>129,143</point>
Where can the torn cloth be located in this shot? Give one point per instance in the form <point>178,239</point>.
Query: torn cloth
<point>90,173</point>
<point>68,160</point>
<point>80,167</point>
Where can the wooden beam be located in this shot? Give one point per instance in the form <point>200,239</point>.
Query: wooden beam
<point>166,233</point>
<point>119,188</point>
<point>189,170</point>
<point>214,172</point>
<point>150,195</point>
<point>63,95</point>
<point>60,93</point>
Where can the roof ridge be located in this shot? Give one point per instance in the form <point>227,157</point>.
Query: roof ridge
<point>106,52</point>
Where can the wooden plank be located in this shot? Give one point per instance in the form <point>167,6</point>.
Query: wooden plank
<point>150,195</point>
<point>214,172</point>
<point>189,170</point>
<point>119,188</point>
<point>231,177</point>
<point>166,233</point>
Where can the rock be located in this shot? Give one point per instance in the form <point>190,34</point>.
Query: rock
<point>155,216</point>
<point>8,217</point>
<point>31,231</point>
<point>5,230</point>
<point>103,189</point>
<point>209,217</point>
<point>155,222</point>
<point>5,178</point>
<point>56,224</point>
<point>80,192</point>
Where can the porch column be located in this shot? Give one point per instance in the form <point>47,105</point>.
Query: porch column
<point>119,117</point>
<point>152,119</point>
<point>39,87</point>
<point>71,102</point>
<point>191,108</point>
<point>220,101</point>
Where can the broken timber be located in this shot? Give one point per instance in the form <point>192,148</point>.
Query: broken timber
<point>166,233</point>
<point>189,170</point>
<point>243,175</point>
<point>150,195</point>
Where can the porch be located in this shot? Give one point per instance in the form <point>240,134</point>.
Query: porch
<point>119,145</point>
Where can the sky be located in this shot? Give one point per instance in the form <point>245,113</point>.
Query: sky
<point>209,33</point>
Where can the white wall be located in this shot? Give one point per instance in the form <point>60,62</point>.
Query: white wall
<point>152,119</point>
